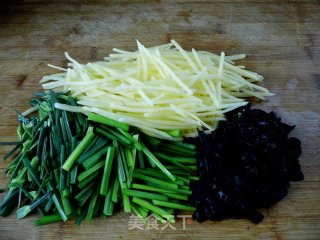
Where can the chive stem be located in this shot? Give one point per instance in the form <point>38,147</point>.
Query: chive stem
<point>79,149</point>
<point>152,207</point>
<point>173,205</point>
<point>107,170</point>
<point>107,121</point>
<point>43,220</point>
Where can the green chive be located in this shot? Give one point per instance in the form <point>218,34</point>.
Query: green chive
<point>157,174</point>
<point>107,171</point>
<point>159,218</point>
<point>48,206</point>
<point>12,151</point>
<point>83,192</point>
<point>125,165</point>
<point>63,130</point>
<point>89,171</point>
<point>92,149</point>
<point>141,194</point>
<point>79,149</point>
<point>66,205</point>
<point>81,217</point>
<point>184,187</point>
<point>185,145</point>
<point>177,133</point>
<point>183,191</point>
<point>179,165</point>
<point>106,134</point>
<point>62,176</point>
<point>122,138</point>
<point>129,157</point>
<point>34,163</point>
<point>178,149</point>
<point>182,160</point>
<point>59,208</point>
<point>125,198</point>
<point>66,192</point>
<point>184,180</point>
<point>149,188</point>
<point>157,163</point>
<point>108,204</point>
<point>152,140</point>
<point>154,180</point>
<point>115,190</point>
<point>92,205</point>
<point>107,121</point>
<point>132,138</point>
<point>86,197</point>
<point>164,149</point>
<point>176,196</point>
<point>178,171</point>
<point>152,207</point>
<point>66,125</point>
<point>141,160</point>
<point>121,172</point>
<point>31,171</point>
<point>173,205</point>
<point>87,180</point>
<point>139,211</point>
<point>43,220</point>
<point>194,178</point>
<point>89,162</point>
<point>25,210</point>
<point>74,173</point>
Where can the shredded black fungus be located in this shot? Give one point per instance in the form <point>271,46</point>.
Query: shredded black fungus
<point>245,165</point>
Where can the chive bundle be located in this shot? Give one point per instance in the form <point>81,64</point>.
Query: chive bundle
<point>37,179</point>
<point>72,166</point>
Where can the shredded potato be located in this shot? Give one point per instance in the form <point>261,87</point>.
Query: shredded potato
<point>159,88</point>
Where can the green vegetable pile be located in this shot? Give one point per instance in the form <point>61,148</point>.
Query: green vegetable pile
<point>73,166</point>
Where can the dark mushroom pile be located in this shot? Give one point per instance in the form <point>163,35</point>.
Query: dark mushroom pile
<point>245,165</point>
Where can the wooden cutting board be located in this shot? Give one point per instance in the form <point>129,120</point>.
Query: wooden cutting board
<point>282,43</point>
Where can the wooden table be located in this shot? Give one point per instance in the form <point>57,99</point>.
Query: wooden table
<point>280,38</point>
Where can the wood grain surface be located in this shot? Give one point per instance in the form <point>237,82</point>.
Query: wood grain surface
<point>282,43</point>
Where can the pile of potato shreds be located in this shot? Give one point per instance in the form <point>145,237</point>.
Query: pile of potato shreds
<point>110,133</point>
<point>159,89</point>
